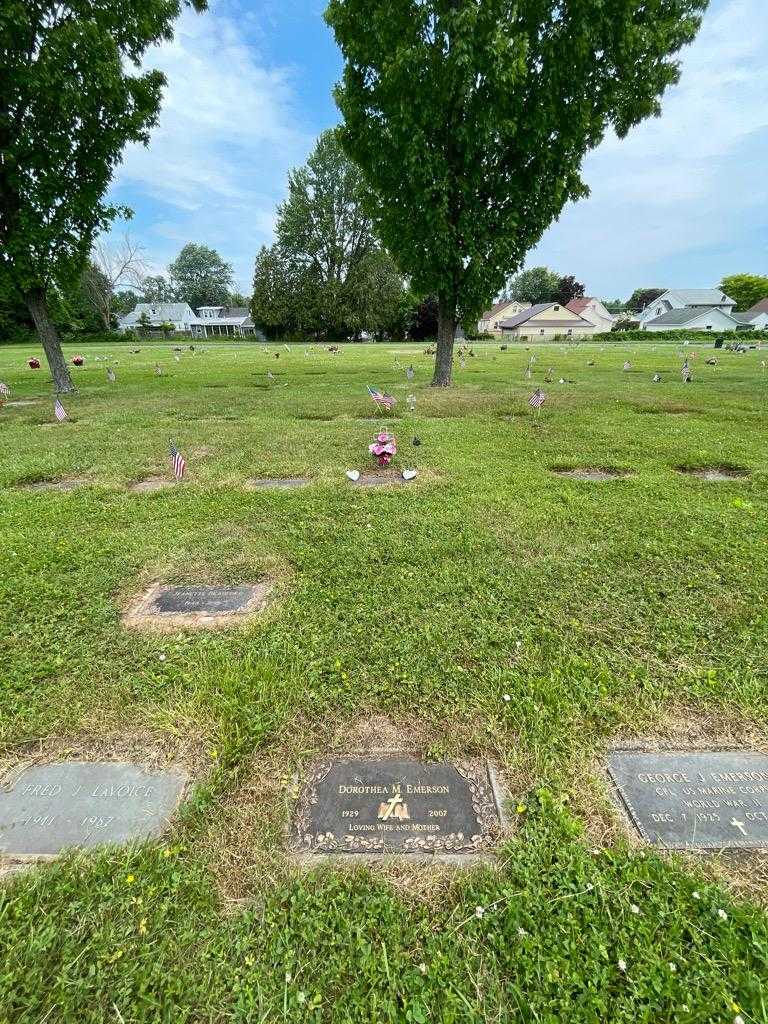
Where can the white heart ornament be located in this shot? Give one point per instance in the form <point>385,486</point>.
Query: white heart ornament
<point>409,474</point>
<point>354,475</point>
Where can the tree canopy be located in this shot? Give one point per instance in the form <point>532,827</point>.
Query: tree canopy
<point>640,298</point>
<point>200,277</point>
<point>470,120</point>
<point>71,97</point>
<point>326,272</point>
<point>746,290</point>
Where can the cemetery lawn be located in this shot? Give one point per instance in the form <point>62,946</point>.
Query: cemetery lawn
<point>490,608</point>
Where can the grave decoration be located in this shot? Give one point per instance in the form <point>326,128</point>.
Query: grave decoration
<point>33,363</point>
<point>77,360</point>
<point>383,448</point>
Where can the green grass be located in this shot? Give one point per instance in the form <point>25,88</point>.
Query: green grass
<point>625,608</point>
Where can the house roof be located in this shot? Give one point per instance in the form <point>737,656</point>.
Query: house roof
<point>678,317</point>
<point>758,308</point>
<point>699,296</point>
<point>540,307</point>
<point>578,305</point>
<point>744,318</point>
<point>496,308</point>
<point>160,311</point>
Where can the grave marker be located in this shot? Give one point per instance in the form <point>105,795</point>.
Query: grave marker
<point>388,805</point>
<point>704,800</point>
<point>54,807</point>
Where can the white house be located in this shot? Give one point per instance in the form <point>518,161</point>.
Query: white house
<point>594,311</point>
<point>177,313</point>
<point>490,321</point>
<point>693,318</point>
<point>757,315</point>
<point>547,320</point>
<point>677,299</point>
<point>214,321</point>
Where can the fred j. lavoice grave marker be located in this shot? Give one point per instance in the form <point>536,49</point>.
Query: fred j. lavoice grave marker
<point>704,800</point>
<point>396,805</point>
<point>51,808</point>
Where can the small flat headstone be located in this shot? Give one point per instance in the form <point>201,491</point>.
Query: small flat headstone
<point>17,403</point>
<point>151,485</point>
<point>51,808</point>
<point>715,474</point>
<point>708,800</point>
<point>167,608</point>
<point>591,474</point>
<point>202,600</point>
<point>68,484</point>
<point>378,479</point>
<point>284,484</point>
<point>396,805</point>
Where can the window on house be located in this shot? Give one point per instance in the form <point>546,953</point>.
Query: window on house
<point>541,330</point>
<point>709,327</point>
<point>556,308</point>
<point>570,330</point>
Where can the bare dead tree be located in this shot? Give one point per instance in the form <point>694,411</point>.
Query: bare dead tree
<point>108,269</point>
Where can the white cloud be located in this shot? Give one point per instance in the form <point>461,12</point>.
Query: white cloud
<point>684,196</point>
<point>217,161</point>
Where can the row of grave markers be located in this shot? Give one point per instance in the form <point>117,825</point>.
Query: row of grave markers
<point>392,805</point>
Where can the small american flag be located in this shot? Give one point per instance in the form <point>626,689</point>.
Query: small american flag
<point>59,411</point>
<point>4,390</point>
<point>380,398</point>
<point>110,375</point>
<point>686,373</point>
<point>158,370</point>
<point>537,399</point>
<point>178,462</point>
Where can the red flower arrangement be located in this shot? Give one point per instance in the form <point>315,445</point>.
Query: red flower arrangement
<point>33,363</point>
<point>384,448</point>
<point>77,360</point>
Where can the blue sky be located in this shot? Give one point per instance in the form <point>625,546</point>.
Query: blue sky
<point>680,202</point>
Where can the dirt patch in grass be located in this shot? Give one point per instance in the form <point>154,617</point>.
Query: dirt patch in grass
<point>716,473</point>
<point>594,474</point>
<point>152,751</point>
<point>145,612</point>
<point>71,483</point>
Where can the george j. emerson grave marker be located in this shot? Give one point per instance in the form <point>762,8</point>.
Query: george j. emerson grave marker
<point>359,805</point>
<point>53,807</point>
<point>695,801</point>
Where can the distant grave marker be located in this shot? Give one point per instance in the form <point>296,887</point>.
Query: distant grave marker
<point>66,484</point>
<point>715,474</point>
<point>593,474</point>
<point>51,808</point>
<point>284,484</point>
<point>378,479</point>
<point>171,607</point>
<point>150,485</point>
<point>396,805</point>
<point>704,800</point>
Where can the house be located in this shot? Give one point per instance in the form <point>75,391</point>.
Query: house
<point>594,311</point>
<point>177,313</point>
<point>490,321</point>
<point>757,315</point>
<point>547,320</point>
<point>694,318</point>
<point>668,311</point>
<point>214,321</point>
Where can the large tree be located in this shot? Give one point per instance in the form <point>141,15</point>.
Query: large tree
<point>200,277</point>
<point>641,297</point>
<point>537,284</point>
<point>746,290</point>
<point>71,97</point>
<point>470,120</point>
<point>326,272</point>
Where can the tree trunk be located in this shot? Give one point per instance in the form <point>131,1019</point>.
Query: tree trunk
<point>446,330</point>
<point>49,338</point>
